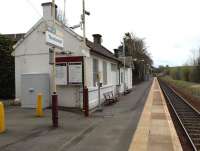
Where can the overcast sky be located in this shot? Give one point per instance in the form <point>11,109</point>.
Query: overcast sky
<point>171,28</point>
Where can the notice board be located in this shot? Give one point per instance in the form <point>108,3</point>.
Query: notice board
<point>61,74</point>
<point>70,73</point>
<point>75,75</point>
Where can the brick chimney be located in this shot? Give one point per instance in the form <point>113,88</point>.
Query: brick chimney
<point>97,39</point>
<point>116,53</point>
<point>47,8</point>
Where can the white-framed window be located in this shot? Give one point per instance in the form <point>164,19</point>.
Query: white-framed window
<point>105,79</point>
<point>95,71</point>
<point>113,67</point>
<point>122,77</point>
<point>115,74</point>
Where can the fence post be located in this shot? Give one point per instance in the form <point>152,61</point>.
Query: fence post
<point>85,102</point>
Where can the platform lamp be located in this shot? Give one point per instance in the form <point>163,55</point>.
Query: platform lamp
<point>52,61</point>
<point>99,84</point>
<point>82,26</point>
<point>124,55</point>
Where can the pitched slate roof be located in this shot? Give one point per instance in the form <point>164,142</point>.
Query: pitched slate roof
<point>101,50</point>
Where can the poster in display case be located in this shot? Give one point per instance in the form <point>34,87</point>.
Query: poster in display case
<point>75,71</point>
<point>61,74</point>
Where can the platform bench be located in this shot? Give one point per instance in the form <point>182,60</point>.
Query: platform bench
<point>109,98</point>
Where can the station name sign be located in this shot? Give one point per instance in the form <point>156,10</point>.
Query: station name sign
<point>54,40</point>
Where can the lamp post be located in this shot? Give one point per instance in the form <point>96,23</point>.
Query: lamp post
<point>142,60</point>
<point>144,71</point>
<point>134,60</point>
<point>54,94</point>
<point>83,21</point>
<point>124,54</point>
<point>85,89</point>
<point>100,109</point>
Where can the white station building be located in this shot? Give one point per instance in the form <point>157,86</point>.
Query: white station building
<point>77,65</point>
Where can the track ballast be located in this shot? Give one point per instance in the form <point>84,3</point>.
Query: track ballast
<point>188,116</point>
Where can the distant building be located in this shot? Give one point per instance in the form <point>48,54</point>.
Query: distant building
<point>15,37</point>
<point>76,65</point>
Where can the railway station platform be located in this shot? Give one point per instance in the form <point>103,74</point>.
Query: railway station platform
<point>155,130</point>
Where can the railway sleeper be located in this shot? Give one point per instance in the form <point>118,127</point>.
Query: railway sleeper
<point>194,135</point>
<point>196,141</point>
<point>198,147</point>
<point>191,118</point>
<point>182,115</point>
<point>190,121</point>
<point>185,111</point>
<point>194,130</point>
<point>191,125</point>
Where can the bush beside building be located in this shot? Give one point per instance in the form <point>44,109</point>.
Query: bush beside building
<point>7,71</point>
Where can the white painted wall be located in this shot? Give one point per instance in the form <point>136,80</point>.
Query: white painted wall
<point>68,96</point>
<point>111,80</point>
<point>29,64</point>
<point>32,56</point>
<point>128,79</point>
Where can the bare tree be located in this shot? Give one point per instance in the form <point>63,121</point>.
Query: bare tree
<point>136,48</point>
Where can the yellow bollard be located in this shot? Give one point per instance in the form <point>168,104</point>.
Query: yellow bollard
<point>39,111</point>
<point>2,118</point>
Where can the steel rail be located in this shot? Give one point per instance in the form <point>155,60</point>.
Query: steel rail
<point>187,115</point>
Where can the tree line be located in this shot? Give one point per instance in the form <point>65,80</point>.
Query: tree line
<point>141,58</point>
<point>189,72</point>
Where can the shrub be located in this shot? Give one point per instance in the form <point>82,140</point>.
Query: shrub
<point>185,73</point>
<point>7,71</point>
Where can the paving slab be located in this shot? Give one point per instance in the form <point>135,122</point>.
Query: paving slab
<point>155,131</point>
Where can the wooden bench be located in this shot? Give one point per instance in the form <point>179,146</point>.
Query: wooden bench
<point>127,91</point>
<point>109,98</point>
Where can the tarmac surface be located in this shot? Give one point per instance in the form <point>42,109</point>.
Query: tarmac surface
<point>110,130</point>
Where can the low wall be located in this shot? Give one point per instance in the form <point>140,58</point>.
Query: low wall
<point>93,95</point>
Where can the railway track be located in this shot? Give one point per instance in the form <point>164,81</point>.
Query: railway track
<point>188,116</point>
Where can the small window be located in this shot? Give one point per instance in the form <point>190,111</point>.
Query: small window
<point>113,67</point>
<point>122,77</point>
<point>104,72</point>
<point>95,71</point>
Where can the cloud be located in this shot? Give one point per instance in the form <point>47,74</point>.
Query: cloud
<point>170,27</point>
